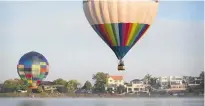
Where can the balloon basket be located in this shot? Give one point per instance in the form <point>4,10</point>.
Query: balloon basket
<point>121,68</point>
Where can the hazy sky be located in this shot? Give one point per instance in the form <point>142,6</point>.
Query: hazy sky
<point>59,30</point>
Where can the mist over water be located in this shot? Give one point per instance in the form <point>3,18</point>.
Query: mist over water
<point>102,101</point>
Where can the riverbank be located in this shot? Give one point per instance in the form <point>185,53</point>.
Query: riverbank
<point>61,95</point>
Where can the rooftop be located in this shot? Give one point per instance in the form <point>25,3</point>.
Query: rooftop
<point>136,80</point>
<point>117,77</point>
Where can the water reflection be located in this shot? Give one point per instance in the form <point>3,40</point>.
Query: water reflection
<point>104,102</point>
<point>100,104</point>
<point>152,103</point>
<point>31,103</point>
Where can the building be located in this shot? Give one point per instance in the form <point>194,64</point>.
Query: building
<point>195,81</point>
<point>113,82</point>
<point>50,86</point>
<point>175,80</point>
<point>136,85</point>
<point>166,81</point>
<point>163,82</point>
<point>176,83</point>
<point>192,81</point>
<point>171,83</point>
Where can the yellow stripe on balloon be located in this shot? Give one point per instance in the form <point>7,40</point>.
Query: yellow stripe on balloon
<point>20,66</point>
<point>108,28</point>
<point>134,26</point>
<point>42,63</point>
<point>30,81</point>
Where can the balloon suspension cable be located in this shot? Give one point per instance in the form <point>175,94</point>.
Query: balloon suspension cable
<point>121,63</point>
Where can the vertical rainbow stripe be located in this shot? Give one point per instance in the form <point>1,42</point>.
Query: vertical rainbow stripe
<point>120,37</point>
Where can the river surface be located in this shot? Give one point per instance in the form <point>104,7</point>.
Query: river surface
<point>102,101</point>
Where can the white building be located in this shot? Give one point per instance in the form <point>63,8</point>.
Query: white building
<point>192,81</point>
<point>163,81</point>
<point>136,85</point>
<point>176,80</point>
<point>171,82</point>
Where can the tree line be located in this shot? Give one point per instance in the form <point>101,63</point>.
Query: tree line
<point>101,81</point>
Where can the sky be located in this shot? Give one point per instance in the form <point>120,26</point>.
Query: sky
<point>59,30</point>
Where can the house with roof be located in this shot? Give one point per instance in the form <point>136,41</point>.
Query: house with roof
<point>136,85</point>
<point>114,81</point>
<point>51,86</point>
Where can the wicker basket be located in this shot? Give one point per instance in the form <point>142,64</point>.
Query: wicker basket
<point>120,68</point>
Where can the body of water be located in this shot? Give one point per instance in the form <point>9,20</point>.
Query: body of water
<point>102,102</point>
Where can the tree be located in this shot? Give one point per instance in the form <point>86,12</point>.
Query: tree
<point>40,89</point>
<point>201,76</point>
<point>87,85</point>
<point>147,79</point>
<point>60,81</point>
<point>121,89</point>
<point>100,81</point>
<point>158,85</point>
<point>72,85</point>
<point>191,79</point>
<point>169,86</point>
<point>9,84</point>
<point>21,87</point>
<point>15,84</point>
<point>153,81</point>
<point>183,82</point>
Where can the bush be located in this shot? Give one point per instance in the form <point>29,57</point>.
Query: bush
<point>3,95</point>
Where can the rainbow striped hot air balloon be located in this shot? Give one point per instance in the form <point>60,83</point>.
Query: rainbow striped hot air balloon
<point>33,68</point>
<point>120,23</point>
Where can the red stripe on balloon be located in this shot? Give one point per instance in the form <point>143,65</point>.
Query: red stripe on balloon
<point>127,32</point>
<point>28,75</point>
<point>105,34</point>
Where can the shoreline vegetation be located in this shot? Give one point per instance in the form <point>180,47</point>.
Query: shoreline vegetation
<point>67,95</point>
<point>107,86</point>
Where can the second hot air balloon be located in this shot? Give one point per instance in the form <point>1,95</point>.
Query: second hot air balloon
<point>32,68</point>
<point>120,23</point>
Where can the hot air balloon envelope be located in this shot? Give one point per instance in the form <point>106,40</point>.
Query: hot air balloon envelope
<point>120,23</point>
<point>33,68</point>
